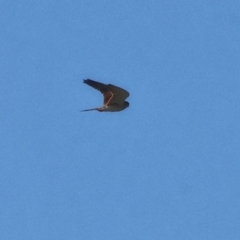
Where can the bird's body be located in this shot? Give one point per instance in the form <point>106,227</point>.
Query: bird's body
<point>114,97</point>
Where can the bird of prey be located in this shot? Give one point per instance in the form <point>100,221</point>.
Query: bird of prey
<point>113,97</point>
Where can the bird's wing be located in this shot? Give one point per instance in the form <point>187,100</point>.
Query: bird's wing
<point>97,85</point>
<point>112,94</point>
<point>103,88</point>
<point>118,94</point>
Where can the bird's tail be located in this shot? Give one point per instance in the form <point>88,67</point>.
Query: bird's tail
<point>91,109</point>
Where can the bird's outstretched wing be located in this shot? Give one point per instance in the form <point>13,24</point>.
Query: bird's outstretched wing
<point>119,94</point>
<point>97,85</point>
<point>112,94</point>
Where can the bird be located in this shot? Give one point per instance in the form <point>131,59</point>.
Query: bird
<point>113,97</point>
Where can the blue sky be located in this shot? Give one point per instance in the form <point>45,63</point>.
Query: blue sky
<point>168,167</point>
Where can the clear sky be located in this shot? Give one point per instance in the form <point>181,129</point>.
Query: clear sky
<point>167,167</point>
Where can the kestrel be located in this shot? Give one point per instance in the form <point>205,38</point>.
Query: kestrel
<point>114,97</point>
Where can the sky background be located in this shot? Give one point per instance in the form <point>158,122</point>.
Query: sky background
<point>167,167</point>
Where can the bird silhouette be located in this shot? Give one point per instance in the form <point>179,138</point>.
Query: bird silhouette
<point>113,97</point>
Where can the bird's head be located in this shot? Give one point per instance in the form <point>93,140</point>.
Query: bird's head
<point>126,104</point>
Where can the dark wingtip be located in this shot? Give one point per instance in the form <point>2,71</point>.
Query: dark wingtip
<point>87,80</point>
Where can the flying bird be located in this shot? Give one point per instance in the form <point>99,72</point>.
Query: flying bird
<point>113,97</point>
